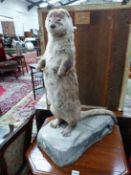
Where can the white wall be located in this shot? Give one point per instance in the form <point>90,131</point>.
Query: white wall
<point>24,20</point>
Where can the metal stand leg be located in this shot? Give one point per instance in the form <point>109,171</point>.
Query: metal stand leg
<point>33,86</point>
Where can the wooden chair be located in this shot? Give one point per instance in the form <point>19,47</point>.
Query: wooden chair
<point>8,66</point>
<point>5,64</point>
<point>3,56</point>
<point>19,58</point>
<point>21,63</point>
<point>12,149</point>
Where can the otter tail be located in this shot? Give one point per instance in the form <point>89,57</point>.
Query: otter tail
<point>94,112</point>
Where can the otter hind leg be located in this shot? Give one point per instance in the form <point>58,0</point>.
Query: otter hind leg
<point>67,131</point>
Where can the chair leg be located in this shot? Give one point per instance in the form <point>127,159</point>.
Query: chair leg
<point>2,75</point>
<point>22,66</point>
<point>19,69</point>
<point>0,112</point>
<point>15,73</point>
<point>25,65</point>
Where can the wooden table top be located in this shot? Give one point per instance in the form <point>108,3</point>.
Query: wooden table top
<point>106,157</point>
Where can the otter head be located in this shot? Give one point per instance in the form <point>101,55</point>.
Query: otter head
<point>59,23</point>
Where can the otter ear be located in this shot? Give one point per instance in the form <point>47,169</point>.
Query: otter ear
<point>65,13</point>
<point>51,13</point>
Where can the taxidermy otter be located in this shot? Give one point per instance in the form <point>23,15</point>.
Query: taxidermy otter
<point>60,73</point>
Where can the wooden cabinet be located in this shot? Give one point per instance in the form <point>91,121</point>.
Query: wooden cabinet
<point>101,49</point>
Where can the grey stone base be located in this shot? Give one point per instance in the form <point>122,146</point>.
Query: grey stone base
<point>65,150</point>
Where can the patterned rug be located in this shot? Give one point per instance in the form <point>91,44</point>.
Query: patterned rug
<point>2,90</point>
<point>12,90</point>
<point>19,113</point>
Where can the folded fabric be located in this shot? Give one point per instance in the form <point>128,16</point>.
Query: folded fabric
<point>65,150</point>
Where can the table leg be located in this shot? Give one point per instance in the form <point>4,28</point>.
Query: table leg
<point>22,66</point>
<point>25,64</point>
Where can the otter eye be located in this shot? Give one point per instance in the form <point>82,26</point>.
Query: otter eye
<point>58,20</point>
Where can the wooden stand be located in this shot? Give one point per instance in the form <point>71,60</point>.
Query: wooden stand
<point>105,157</point>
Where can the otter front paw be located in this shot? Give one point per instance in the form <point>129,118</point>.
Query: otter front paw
<point>56,123</point>
<point>41,65</point>
<point>61,73</point>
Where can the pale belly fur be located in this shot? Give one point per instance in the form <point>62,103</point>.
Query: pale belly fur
<point>63,95</point>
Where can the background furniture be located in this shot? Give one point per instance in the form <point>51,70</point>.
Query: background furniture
<point>12,149</point>
<point>105,157</point>
<point>101,41</point>
<point>37,79</point>
<point>8,63</point>
<point>2,52</point>
<point>7,66</point>
<point>21,63</point>
<point>16,57</point>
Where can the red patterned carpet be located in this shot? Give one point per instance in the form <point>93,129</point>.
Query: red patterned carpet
<point>19,113</point>
<point>2,90</point>
<point>12,90</point>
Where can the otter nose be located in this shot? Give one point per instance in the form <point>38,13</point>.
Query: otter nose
<point>52,26</point>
